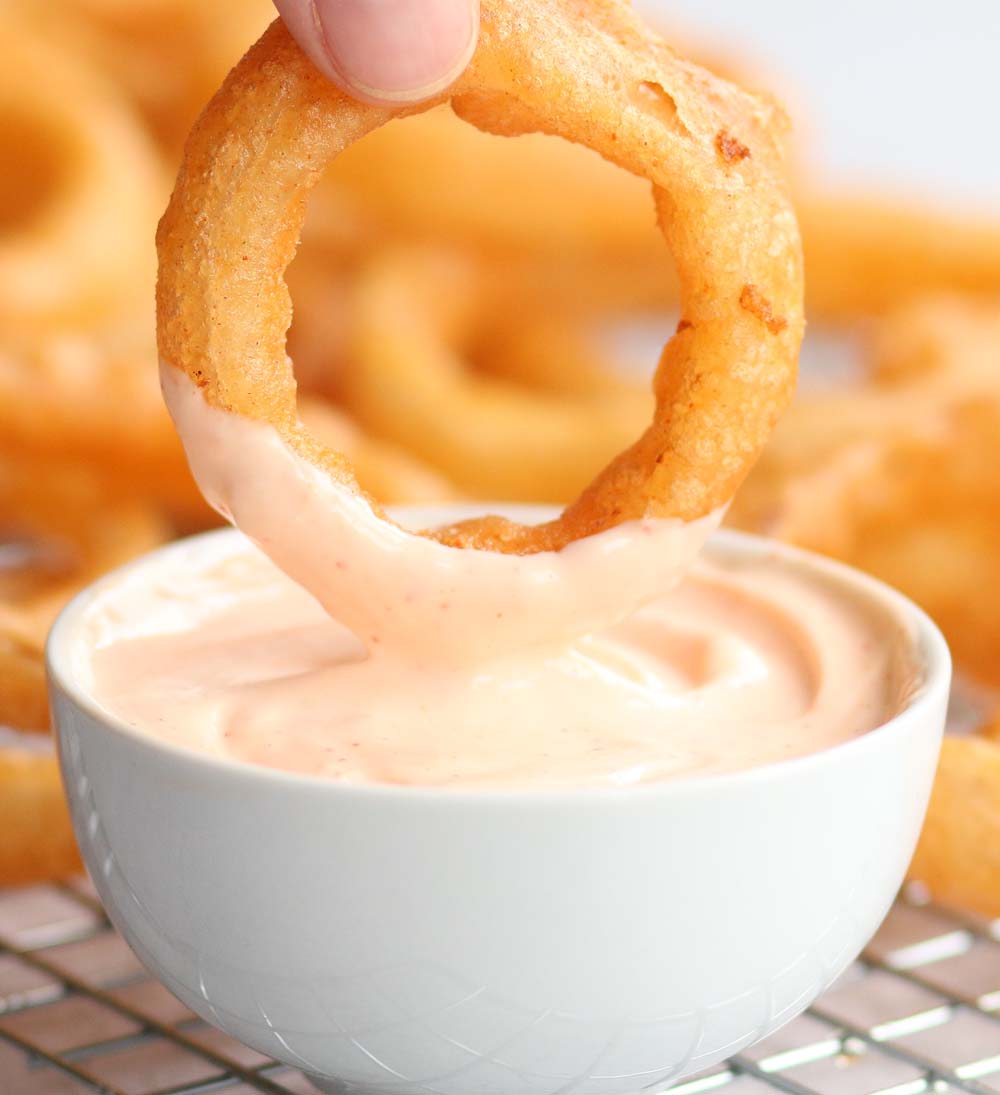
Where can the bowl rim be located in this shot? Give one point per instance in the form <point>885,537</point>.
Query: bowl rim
<point>928,645</point>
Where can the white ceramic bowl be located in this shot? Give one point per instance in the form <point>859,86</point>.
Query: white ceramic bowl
<point>407,940</point>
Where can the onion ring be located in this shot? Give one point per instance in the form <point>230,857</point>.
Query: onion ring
<point>66,533</point>
<point>500,440</point>
<point>69,532</point>
<point>36,837</point>
<point>24,702</point>
<point>866,253</point>
<point>76,212</point>
<point>958,856</point>
<point>550,353</point>
<point>912,502</point>
<point>895,477</point>
<point>236,214</point>
<point>944,345</point>
<point>61,401</point>
<point>531,198</point>
<point>168,56</point>
<point>388,472</point>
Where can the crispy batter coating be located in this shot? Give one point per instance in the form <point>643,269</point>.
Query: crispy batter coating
<point>589,72</point>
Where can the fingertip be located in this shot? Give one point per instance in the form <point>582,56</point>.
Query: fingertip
<point>301,18</point>
<point>386,51</point>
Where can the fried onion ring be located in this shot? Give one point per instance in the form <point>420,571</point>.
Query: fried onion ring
<point>59,532</point>
<point>895,477</point>
<point>24,702</point>
<point>62,401</point>
<point>168,55</point>
<point>502,440</point>
<point>65,531</point>
<point>944,345</point>
<point>388,472</point>
<point>910,501</point>
<point>958,856</point>
<point>75,213</point>
<point>590,73</point>
<point>528,200</point>
<point>36,837</point>
<point>867,253</point>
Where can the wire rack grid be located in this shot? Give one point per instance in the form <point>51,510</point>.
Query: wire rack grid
<point>919,1013</point>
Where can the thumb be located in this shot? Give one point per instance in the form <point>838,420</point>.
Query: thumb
<point>386,51</point>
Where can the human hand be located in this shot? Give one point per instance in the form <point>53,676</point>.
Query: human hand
<point>386,51</point>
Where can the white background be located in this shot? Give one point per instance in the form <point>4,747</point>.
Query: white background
<point>904,94</point>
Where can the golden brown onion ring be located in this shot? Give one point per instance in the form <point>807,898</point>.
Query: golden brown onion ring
<point>76,213</point>
<point>499,439</point>
<point>36,837</point>
<point>945,344</point>
<point>713,153</point>
<point>909,496</point>
<point>69,531</point>
<point>896,476</point>
<point>869,252</point>
<point>168,56</point>
<point>564,221</point>
<point>70,399</point>
<point>388,472</point>
<point>958,856</point>
<point>551,353</point>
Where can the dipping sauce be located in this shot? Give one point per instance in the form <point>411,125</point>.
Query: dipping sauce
<point>211,647</point>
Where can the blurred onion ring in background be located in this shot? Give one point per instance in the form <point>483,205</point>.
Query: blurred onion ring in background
<point>78,190</point>
<point>59,531</point>
<point>958,856</point>
<point>75,398</point>
<point>714,154</point>
<point>389,472</point>
<point>414,315</point>
<point>38,842</point>
<point>894,475</point>
<point>168,56</point>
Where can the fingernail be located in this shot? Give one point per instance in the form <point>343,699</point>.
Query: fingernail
<point>398,50</point>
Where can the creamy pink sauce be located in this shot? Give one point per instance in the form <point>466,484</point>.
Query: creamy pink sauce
<point>397,590</point>
<point>213,648</point>
<point>350,648</point>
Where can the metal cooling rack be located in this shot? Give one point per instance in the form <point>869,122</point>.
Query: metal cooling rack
<point>79,1016</point>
